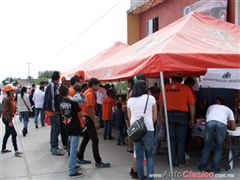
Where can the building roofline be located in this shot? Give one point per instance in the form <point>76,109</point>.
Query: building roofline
<point>144,6</point>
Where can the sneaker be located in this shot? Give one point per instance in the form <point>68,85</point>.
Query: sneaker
<point>5,151</point>
<point>76,175</point>
<point>36,126</point>
<point>130,150</point>
<point>57,152</point>
<point>24,132</point>
<point>202,168</point>
<point>133,174</point>
<point>102,164</point>
<point>187,157</point>
<point>83,161</point>
<point>77,167</point>
<point>111,137</point>
<point>18,154</point>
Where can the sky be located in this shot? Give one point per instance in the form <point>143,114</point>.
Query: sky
<point>57,34</point>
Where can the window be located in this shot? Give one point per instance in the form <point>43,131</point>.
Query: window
<point>152,25</point>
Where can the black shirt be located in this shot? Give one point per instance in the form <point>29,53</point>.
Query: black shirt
<point>69,111</point>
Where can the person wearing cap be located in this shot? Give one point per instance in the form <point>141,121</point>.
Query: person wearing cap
<point>88,110</point>
<point>7,119</point>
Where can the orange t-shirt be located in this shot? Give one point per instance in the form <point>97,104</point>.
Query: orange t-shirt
<point>91,101</point>
<point>107,106</point>
<point>71,91</point>
<point>178,97</point>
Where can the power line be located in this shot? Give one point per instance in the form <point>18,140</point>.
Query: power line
<point>87,29</point>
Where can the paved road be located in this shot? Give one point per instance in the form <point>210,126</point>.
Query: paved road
<point>38,164</point>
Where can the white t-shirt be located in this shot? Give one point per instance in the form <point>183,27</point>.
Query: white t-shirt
<point>219,113</point>
<point>101,94</point>
<point>137,105</point>
<point>38,98</point>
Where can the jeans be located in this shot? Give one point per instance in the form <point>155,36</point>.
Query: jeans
<point>90,133</point>
<point>108,128</point>
<point>37,111</point>
<point>157,144</point>
<point>9,131</point>
<point>120,135</point>
<point>74,141</point>
<point>55,129</point>
<point>146,145</point>
<point>214,130</point>
<point>178,123</point>
<point>25,117</point>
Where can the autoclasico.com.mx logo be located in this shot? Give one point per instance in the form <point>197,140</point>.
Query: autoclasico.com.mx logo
<point>191,175</point>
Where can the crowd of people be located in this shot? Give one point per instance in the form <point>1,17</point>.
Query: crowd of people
<point>78,109</point>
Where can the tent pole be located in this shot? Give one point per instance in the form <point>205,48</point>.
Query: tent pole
<point>166,122</point>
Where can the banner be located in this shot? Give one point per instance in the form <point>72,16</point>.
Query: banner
<point>214,8</point>
<point>221,78</point>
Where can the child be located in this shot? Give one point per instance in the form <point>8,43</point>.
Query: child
<point>118,118</point>
<point>78,96</point>
<point>107,106</point>
<point>70,112</point>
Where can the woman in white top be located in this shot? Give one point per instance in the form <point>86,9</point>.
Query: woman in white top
<point>136,105</point>
<point>24,108</point>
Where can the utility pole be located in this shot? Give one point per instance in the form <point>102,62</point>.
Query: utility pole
<point>28,78</point>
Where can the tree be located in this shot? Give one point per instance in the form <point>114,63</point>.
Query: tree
<point>10,80</point>
<point>45,74</point>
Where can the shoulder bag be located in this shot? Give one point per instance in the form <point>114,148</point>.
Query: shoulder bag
<point>26,104</point>
<point>138,129</point>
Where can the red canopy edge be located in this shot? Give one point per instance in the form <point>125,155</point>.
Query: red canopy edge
<point>79,70</point>
<point>188,46</point>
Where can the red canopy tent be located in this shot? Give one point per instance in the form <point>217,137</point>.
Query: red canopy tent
<point>94,61</point>
<point>188,46</point>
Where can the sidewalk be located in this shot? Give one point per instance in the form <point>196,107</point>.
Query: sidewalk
<point>37,163</point>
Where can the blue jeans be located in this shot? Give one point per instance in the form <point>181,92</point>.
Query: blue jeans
<point>146,145</point>
<point>120,135</point>
<point>108,128</point>
<point>25,117</point>
<point>178,123</point>
<point>55,130</point>
<point>74,141</point>
<point>214,130</point>
<point>37,111</point>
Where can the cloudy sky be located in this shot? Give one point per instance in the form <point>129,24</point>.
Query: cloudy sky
<point>57,34</point>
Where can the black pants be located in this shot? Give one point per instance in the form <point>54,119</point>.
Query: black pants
<point>90,133</point>
<point>9,131</point>
<point>63,132</point>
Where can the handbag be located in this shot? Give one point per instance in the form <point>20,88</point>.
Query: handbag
<point>138,129</point>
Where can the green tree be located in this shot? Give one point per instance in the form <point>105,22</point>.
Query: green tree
<point>45,74</point>
<point>10,80</point>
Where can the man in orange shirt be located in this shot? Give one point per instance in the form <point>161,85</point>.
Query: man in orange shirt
<point>107,107</point>
<point>88,110</point>
<point>180,101</point>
